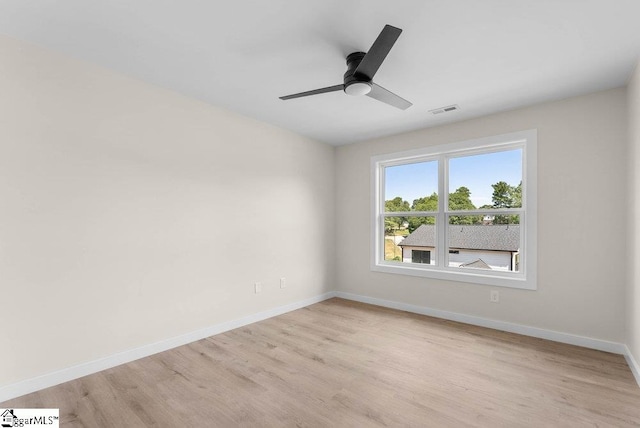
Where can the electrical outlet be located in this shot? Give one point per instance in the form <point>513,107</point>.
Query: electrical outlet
<point>283,282</point>
<point>258,287</point>
<point>494,296</point>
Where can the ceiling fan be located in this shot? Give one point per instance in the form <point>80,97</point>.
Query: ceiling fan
<point>361,67</point>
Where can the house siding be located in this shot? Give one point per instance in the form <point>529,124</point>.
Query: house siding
<point>497,260</point>
<point>407,253</point>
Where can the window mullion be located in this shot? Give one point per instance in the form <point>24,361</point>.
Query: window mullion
<point>496,211</point>
<point>443,201</point>
<point>381,209</point>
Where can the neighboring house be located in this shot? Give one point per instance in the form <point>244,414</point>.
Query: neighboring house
<point>493,247</point>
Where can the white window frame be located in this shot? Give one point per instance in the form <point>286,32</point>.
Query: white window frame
<point>525,278</point>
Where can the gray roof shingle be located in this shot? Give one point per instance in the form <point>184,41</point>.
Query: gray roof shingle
<point>497,237</point>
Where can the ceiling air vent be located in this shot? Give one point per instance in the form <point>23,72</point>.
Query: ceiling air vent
<point>446,109</point>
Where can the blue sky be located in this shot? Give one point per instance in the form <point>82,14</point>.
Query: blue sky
<point>477,173</point>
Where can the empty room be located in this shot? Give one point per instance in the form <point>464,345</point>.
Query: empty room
<point>320,213</point>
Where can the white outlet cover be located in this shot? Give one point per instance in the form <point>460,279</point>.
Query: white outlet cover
<point>258,287</point>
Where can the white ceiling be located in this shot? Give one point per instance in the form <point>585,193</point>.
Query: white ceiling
<point>485,56</point>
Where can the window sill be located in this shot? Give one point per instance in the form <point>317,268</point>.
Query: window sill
<point>512,281</point>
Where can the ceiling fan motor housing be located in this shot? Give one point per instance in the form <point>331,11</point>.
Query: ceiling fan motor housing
<point>361,68</point>
<point>355,84</point>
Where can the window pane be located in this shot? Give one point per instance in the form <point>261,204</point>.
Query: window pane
<point>416,243</point>
<point>491,180</point>
<point>394,233</point>
<point>485,242</point>
<point>411,187</point>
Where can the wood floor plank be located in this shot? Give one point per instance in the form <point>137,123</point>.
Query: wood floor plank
<point>342,363</point>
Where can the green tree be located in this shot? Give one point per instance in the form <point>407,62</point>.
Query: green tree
<point>427,203</point>
<point>517,196</point>
<point>506,196</point>
<point>394,205</point>
<point>461,200</point>
<point>502,195</point>
<point>397,204</point>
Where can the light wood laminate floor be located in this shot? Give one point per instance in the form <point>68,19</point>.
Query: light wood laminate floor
<point>341,363</point>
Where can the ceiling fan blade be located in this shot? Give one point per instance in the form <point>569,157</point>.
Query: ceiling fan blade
<point>381,94</point>
<point>314,92</point>
<point>378,52</point>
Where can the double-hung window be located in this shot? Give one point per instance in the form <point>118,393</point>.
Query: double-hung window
<point>463,211</point>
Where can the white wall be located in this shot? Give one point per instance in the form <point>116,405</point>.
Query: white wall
<point>582,150</point>
<point>130,214</point>
<point>633,262</point>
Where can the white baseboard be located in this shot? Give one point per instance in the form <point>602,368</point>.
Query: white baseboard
<point>633,365</point>
<point>51,379</point>
<point>587,342</point>
<point>571,339</point>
